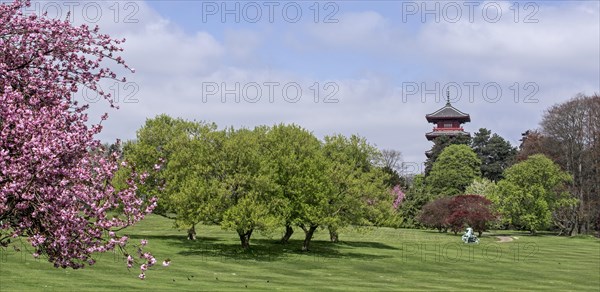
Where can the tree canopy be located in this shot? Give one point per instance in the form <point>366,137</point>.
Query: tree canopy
<point>358,193</point>
<point>260,179</point>
<point>440,143</point>
<point>496,154</point>
<point>455,169</point>
<point>531,191</point>
<point>570,136</point>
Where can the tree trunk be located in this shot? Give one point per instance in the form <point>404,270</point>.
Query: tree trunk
<point>308,236</point>
<point>245,238</point>
<point>288,233</point>
<point>192,233</point>
<point>479,232</point>
<point>598,225</point>
<point>570,233</point>
<point>333,235</point>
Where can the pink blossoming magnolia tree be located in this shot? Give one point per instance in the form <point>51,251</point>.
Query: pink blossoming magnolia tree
<point>398,196</point>
<point>55,178</point>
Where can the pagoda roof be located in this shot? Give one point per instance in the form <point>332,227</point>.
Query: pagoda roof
<point>448,112</point>
<point>434,134</point>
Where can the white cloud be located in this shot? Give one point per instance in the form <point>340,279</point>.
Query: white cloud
<point>360,29</point>
<point>565,38</point>
<point>160,50</point>
<point>560,53</point>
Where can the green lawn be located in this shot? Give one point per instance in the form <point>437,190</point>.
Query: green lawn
<point>373,259</point>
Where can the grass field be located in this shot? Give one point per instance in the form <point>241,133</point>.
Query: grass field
<point>374,259</point>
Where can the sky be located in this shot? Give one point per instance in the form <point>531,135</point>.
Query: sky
<point>372,68</point>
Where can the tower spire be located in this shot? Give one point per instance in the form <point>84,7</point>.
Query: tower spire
<point>448,96</point>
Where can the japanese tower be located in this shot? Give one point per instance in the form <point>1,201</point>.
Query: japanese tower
<point>447,121</point>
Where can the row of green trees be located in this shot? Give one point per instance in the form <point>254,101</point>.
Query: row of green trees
<point>262,179</point>
<point>282,176</point>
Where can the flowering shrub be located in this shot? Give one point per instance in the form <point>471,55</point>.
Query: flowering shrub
<point>398,196</point>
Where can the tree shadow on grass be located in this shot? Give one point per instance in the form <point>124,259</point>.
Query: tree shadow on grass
<point>522,233</point>
<point>265,250</point>
<point>367,244</point>
<point>230,251</point>
<point>429,231</point>
<point>180,240</point>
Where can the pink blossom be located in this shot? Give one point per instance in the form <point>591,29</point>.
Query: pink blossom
<point>166,263</point>
<point>399,196</point>
<point>55,183</point>
<point>143,242</point>
<point>151,261</point>
<point>142,276</point>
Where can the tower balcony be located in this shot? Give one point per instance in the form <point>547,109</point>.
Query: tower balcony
<point>437,132</point>
<point>436,129</point>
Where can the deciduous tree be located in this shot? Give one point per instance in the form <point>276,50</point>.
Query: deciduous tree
<point>531,191</point>
<point>440,143</point>
<point>481,186</point>
<point>416,197</point>
<point>246,187</point>
<point>156,141</point>
<point>55,178</point>
<point>297,167</point>
<point>473,211</point>
<point>220,177</point>
<point>455,169</point>
<point>357,194</point>
<point>391,164</point>
<point>188,176</point>
<point>435,214</point>
<point>574,127</point>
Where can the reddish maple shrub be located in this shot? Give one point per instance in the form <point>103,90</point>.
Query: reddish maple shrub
<point>457,213</point>
<point>470,211</point>
<point>435,214</point>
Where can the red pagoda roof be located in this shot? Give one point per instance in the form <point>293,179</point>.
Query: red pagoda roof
<point>448,112</point>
